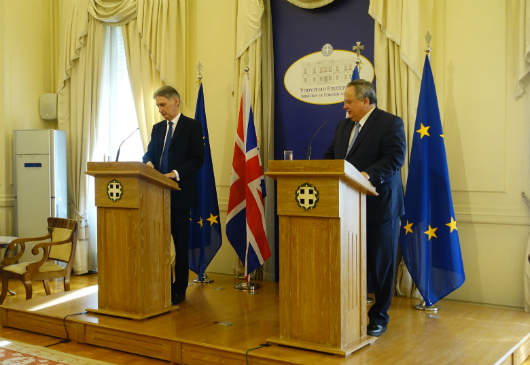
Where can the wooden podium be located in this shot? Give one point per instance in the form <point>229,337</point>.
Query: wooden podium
<point>322,242</point>
<point>134,232</point>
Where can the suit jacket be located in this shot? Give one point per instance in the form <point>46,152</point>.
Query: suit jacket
<point>186,153</point>
<point>380,151</point>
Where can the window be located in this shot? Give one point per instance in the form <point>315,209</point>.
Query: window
<point>117,114</point>
<point>116,120</point>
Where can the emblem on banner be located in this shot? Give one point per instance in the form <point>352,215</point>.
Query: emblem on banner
<point>327,49</point>
<point>321,77</point>
<point>114,190</point>
<point>306,196</point>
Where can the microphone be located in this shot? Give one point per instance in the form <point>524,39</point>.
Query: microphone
<point>126,138</point>
<point>308,155</point>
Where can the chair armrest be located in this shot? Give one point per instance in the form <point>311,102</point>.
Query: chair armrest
<point>22,243</point>
<point>46,252</point>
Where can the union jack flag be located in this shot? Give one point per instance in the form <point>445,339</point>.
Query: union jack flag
<point>245,222</point>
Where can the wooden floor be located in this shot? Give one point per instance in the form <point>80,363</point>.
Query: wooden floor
<point>75,348</point>
<point>217,325</point>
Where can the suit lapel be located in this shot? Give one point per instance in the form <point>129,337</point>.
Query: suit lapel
<point>161,132</point>
<point>346,137</point>
<point>365,130</point>
<point>178,129</point>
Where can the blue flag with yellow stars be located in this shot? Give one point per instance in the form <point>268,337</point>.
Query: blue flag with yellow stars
<point>429,234</point>
<point>205,228</point>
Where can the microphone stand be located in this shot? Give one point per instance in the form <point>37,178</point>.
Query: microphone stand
<point>308,154</point>
<point>126,138</point>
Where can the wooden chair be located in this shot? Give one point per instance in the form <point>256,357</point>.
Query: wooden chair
<point>60,246</point>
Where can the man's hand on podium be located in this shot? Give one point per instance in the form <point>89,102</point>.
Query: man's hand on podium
<point>365,174</point>
<point>171,175</point>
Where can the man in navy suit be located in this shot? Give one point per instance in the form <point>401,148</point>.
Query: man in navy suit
<point>176,150</point>
<point>373,141</point>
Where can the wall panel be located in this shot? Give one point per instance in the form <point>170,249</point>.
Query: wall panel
<point>487,140</point>
<point>474,61</point>
<point>494,257</point>
<point>26,72</point>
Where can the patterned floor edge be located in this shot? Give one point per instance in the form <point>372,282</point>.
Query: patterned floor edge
<point>14,352</point>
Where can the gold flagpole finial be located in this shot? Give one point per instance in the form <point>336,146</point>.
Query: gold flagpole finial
<point>357,48</point>
<point>428,38</point>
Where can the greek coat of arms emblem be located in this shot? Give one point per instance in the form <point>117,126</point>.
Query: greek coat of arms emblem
<point>114,190</point>
<point>306,196</point>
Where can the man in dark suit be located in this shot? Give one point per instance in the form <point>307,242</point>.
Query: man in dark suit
<point>373,141</point>
<point>176,150</point>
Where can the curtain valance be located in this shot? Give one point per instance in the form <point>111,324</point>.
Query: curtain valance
<point>116,12</point>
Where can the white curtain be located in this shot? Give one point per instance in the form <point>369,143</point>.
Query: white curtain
<point>116,120</point>
<point>77,107</point>
<point>155,45</point>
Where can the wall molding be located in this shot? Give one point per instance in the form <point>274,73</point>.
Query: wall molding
<point>502,220</point>
<point>462,217</point>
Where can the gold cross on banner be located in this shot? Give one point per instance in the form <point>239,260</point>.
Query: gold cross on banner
<point>358,48</point>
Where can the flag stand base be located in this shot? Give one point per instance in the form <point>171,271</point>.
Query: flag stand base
<point>203,279</point>
<point>250,286</point>
<point>422,307</point>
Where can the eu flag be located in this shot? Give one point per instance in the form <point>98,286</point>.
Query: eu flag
<point>205,229</point>
<point>429,234</point>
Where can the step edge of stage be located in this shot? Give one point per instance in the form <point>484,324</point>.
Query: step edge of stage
<point>177,341</point>
<point>128,315</point>
<point>85,322</point>
<point>348,350</point>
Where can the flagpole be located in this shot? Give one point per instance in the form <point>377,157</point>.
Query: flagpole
<point>201,278</point>
<point>356,72</point>
<point>422,306</point>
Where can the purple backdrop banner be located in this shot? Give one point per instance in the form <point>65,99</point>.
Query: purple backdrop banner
<point>313,61</point>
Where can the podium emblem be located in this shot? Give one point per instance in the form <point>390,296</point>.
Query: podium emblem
<point>114,190</point>
<point>307,196</point>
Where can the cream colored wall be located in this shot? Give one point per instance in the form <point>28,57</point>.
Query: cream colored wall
<point>487,140</point>
<point>26,72</point>
<point>211,41</point>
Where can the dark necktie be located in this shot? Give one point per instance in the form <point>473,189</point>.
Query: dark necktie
<point>355,134</point>
<point>164,163</point>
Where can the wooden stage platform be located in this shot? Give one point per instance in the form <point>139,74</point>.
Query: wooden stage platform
<point>218,324</point>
